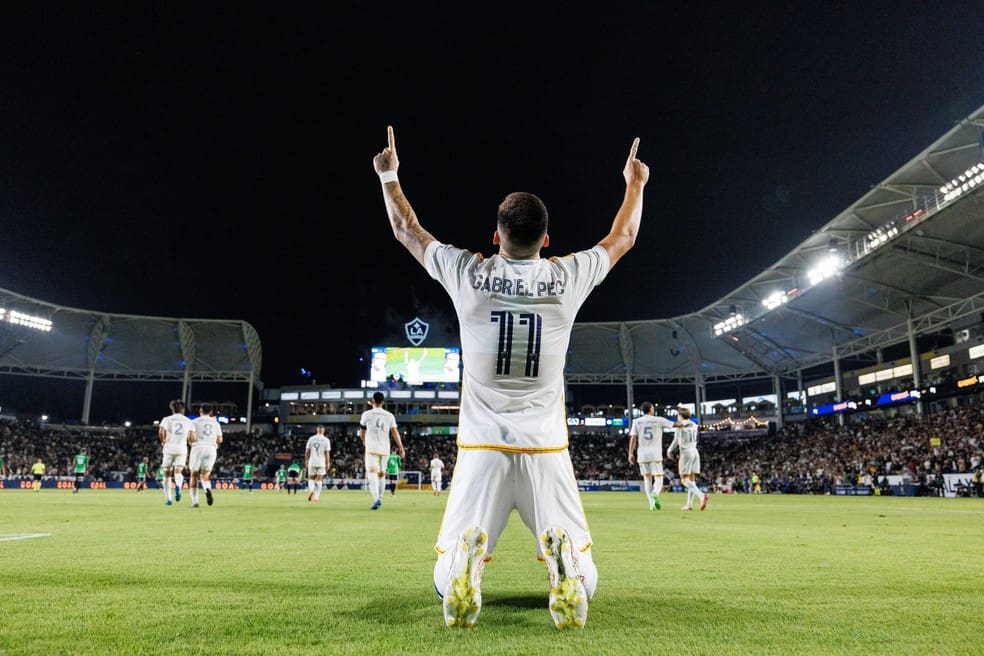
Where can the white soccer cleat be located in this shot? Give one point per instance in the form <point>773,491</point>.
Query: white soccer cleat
<point>463,596</point>
<point>568,598</point>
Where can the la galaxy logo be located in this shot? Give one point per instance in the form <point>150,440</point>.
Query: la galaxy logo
<point>416,331</point>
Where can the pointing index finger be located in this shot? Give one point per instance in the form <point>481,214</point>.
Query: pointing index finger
<point>634,149</point>
<point>392,138</point>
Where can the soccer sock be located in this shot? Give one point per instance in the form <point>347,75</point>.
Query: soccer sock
<point>194,495</point>
<point>657,485</point>
<point>167,488</point>
<point>693,492</point>
<point>381,486</point>
<point>178,480</point>
<point>318,486</point>
<point>647,487</point>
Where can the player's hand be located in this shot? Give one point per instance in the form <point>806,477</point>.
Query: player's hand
<point>635,171</point>
<point>387,159</point>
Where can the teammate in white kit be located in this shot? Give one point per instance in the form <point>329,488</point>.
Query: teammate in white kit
<point>204,451</point>
<point>685,441</point>
<point>647,434</point>
<point>437,474</point>
<point>515,313</point>
<point>376,426</point>
<point>316,461</point>
<point>174,432</point>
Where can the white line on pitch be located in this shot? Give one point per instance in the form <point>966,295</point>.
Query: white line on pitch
<point>23,536</point>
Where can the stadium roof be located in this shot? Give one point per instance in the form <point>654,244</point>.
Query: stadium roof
<point>912,250</point>
<point>94,346</point>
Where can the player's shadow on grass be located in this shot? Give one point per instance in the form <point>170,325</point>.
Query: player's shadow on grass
<point>515,601</point>
<point>414,610</point>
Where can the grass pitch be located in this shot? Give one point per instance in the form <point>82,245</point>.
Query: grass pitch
<point>117,572</point>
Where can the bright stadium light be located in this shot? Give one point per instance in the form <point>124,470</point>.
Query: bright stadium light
<point>826,268</point>
<point>774,300</point>
<point>731,323</point>
<point>26,320</point>
<point>963,182</point>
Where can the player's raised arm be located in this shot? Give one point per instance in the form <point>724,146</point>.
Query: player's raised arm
<point>625,227</point>
<point>403,220</point>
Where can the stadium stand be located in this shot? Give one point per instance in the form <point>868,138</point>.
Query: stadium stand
<point>886,298</point>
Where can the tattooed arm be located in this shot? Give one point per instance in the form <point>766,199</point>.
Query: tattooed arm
<point>403,220</point>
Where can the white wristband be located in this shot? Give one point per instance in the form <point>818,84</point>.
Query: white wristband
<point>387,176</point>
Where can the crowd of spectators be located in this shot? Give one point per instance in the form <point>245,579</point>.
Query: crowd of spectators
<point>816,455</point>
<point>805,457</point>
<point>114,453</point>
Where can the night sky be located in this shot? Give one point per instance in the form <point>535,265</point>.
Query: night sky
<point>212,160</point>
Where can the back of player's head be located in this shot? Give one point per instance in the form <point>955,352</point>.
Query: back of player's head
<point>177,405</point>
<point>206,408</point>
<point>378,398</point>
<point>646,407</point>
<point>522,222</point>
<point>683,412</point>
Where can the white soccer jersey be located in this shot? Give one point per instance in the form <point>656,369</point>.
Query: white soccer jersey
<point>512,395</point>
<point>177,427</point>
<point>437,468</point>
<point>685,437</point>
<point>207,431</point>
<point>648,430</point>
<point>319,446</point>
<point>377,422</point>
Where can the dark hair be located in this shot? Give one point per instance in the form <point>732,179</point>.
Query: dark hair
<point>205,408</point>
<point>378,397</point>
<point>522,219</point>
<point>646,407</point>
<point>177,405</point>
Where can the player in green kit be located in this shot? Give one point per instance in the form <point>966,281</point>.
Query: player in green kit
<point>160,477</point>
<point>79,466</point>
<point>247,482</point>
<point>393,465</point>
<point>280,478</point>
<point>142,467</point>
<point>293,478</point>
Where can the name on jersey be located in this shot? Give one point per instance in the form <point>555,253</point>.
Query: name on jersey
<point>517,287</point>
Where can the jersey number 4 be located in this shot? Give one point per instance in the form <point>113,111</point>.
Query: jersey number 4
<point>534,329</point>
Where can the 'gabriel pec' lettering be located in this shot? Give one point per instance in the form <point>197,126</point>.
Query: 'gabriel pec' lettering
<point>517,286</point>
